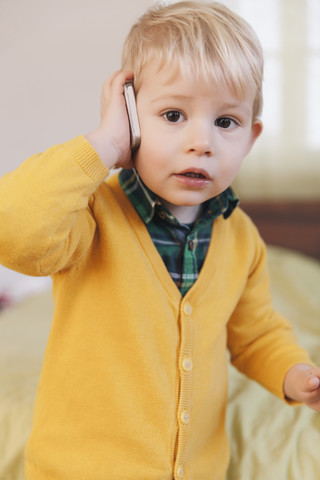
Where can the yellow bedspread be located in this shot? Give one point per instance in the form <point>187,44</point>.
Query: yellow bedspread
<point>269,440</point>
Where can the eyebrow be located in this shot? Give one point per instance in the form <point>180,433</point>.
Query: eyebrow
<point>171,97</point>
<point>239,105</point>
<point>232,105</point>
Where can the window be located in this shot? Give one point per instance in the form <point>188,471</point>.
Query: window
<point>313,74</point>
<point>285,162</point>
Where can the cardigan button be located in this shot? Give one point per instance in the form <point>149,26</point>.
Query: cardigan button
<point>180,471</point>
<point>187,309</point>
<point>187,364</point>
<point>185,417</point>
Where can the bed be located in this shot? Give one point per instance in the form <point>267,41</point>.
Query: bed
<point>268,438</point>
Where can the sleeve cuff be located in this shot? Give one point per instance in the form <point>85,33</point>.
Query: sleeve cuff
<point>88,159</point>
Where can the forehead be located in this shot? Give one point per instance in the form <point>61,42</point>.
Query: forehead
<point>209,72</point>
<point>162,80</point>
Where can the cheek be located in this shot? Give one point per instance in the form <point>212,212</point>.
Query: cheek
<point>153,152</point>
<point>229,168</point>
<point>235,155</point>
<point>146,161</point>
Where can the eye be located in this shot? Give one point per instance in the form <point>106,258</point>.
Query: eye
<point>225,122</point>
<point>174,116</point>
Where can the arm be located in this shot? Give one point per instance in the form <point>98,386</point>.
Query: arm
<point>46,217</point>
<point>262,342</point>
<point>47,223</point>
<point>302,384</point>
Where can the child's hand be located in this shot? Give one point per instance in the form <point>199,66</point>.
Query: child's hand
<point>112,139</point>
<point>302,384</point>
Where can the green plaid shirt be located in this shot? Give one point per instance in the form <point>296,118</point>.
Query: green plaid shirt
<point>183,247</point>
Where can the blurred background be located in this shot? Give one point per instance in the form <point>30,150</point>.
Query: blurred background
<point>55,55</point>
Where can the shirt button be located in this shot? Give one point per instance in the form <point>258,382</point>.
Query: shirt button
<point>180,471</point>
<point>191,245</point>
<point>187,364</point>
<point>187,309</point>
<point>185,417</point>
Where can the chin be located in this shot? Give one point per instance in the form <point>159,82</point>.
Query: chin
<point>192,202</point>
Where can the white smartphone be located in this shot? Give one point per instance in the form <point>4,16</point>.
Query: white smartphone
<point>132,115</point>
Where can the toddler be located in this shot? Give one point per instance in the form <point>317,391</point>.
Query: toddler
<point>156,270</point>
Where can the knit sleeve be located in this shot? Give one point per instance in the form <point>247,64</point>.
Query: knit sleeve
<point>262,342</point>
<point>45,216</point>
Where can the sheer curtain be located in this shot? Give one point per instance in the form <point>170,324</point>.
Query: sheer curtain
<point>285,162</point>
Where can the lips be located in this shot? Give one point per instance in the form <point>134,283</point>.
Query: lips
<point>195,173</point>
<point>193,177</point>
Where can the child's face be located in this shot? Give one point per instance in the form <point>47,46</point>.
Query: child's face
<point>194,137</point>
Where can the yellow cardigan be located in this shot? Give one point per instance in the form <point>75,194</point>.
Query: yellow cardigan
<point>134,380</point>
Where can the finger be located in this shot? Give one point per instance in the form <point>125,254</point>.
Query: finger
<point>312,383</point>
<point>119,80</point>
<point>105,92</point>
<point>113,87</point>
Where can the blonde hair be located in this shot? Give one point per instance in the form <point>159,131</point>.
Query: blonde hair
<point>198,39</point>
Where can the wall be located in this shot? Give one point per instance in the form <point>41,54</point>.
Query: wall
<point>55,55</point>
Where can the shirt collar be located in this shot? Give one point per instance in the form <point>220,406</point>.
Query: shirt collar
<point>147,203</point>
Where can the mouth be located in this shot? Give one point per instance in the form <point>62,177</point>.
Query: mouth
<point>193,177</point>
<point>195,173</point>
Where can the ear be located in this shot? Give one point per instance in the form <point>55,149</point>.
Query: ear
<point>256,130</point>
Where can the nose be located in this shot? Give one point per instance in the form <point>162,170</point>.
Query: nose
<point>199,139</point>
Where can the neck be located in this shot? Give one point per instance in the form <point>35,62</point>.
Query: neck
<point>184,213</point>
